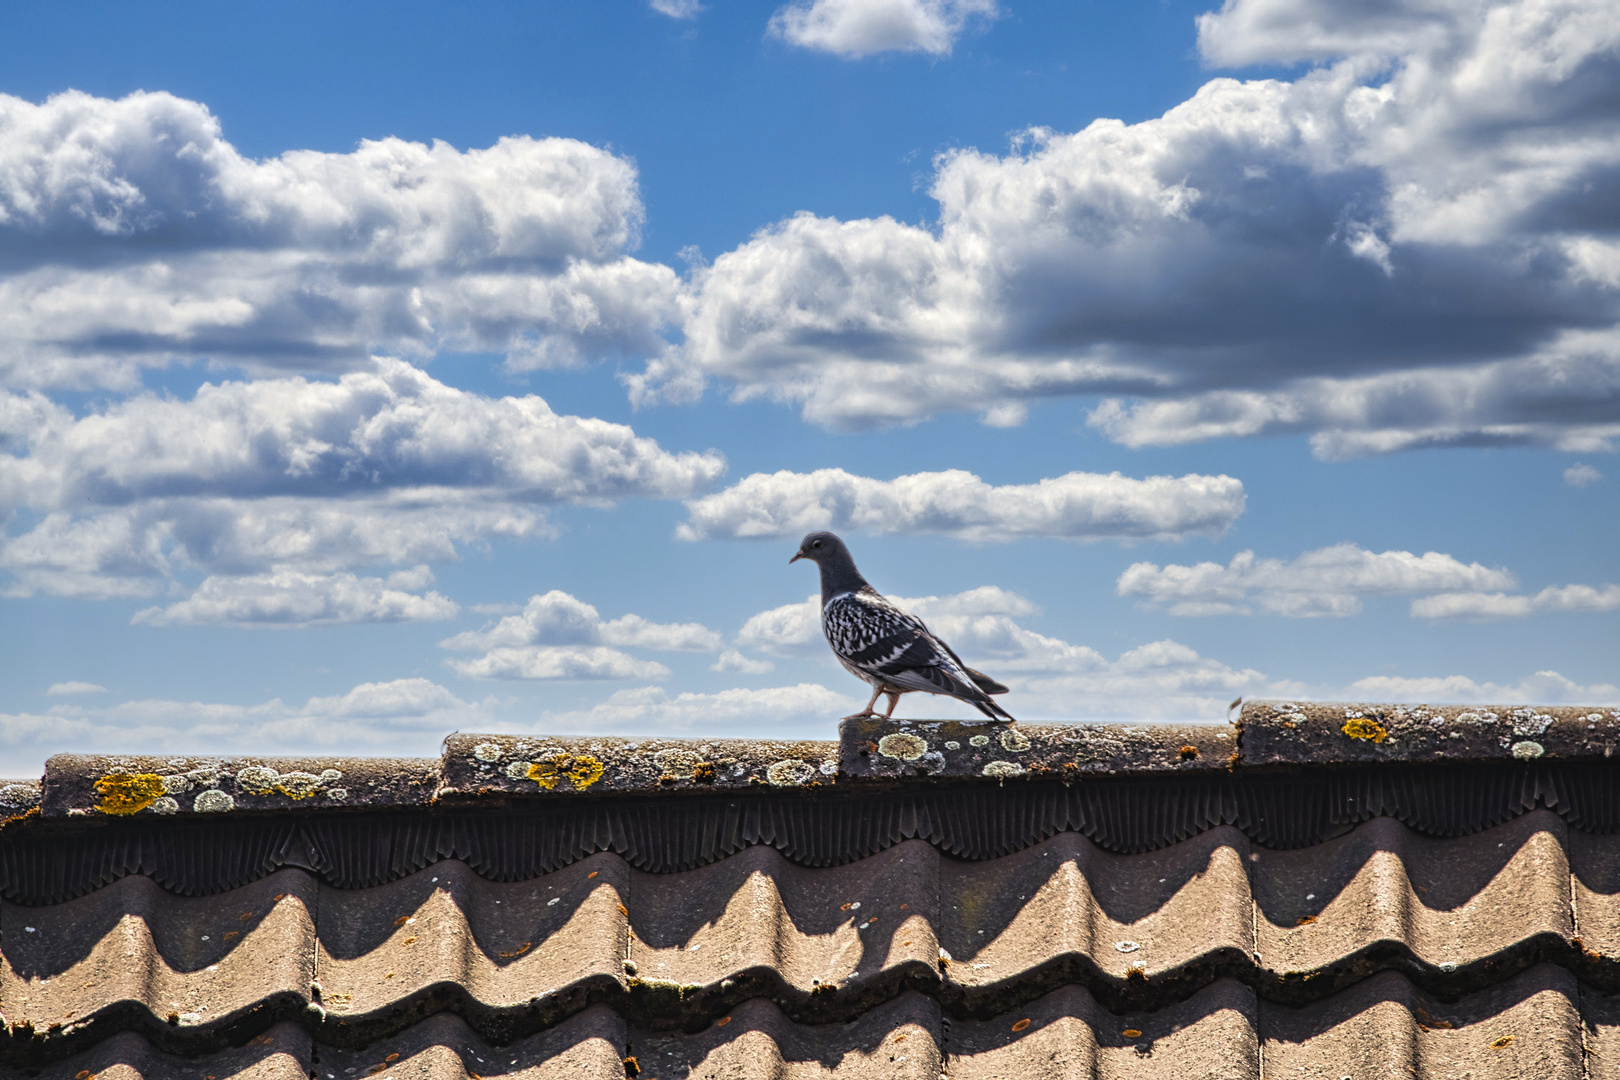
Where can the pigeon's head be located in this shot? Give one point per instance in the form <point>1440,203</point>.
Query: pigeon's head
<point>822,545</point>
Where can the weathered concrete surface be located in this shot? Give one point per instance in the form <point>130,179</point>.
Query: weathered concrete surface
<point>539,765</point>
<point>121,785</point>
<point>923,749</point>
<point>1289,733</point>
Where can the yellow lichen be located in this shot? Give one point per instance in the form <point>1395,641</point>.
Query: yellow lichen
<point>585,771</point>
<point>545,773</point>
<point>128,793</point>
<point>1362,728</point>
<point>582,771</point>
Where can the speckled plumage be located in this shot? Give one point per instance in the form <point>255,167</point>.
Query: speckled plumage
<point>884,645</point>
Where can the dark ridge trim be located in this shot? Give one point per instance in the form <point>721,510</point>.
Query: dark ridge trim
<point>48,862</point>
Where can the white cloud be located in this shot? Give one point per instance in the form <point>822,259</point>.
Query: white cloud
<point>651,710</point>
<point>136,234</point>
<point>1581,474</point>
<point>291,599</point>
<point>558,636</point>
<point>383,466</point>
<point>557,662</point>
<point>1410,246</point>
<point>405,716</point>
<point>75,689</point>
<point>1484,607</point>
<point>676,9</point>
<point>1287,31</point>
<point>1076,506</point>
<point>733,661</point>
<point>557,618</point>
<point>857,28</point>
<point>789,628</point>
<point>1328,581</point>
<point>1542,688</point>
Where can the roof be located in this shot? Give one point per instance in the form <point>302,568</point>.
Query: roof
<point>1316,890</point>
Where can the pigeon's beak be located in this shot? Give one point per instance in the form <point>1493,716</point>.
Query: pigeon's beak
<point>796,558</point>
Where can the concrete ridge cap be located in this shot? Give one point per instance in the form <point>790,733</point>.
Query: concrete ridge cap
<point>476,769</point>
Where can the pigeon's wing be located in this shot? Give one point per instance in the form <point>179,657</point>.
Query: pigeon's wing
<point>894,645</point>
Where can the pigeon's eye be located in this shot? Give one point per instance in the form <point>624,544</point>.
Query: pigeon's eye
<point>816,544</point>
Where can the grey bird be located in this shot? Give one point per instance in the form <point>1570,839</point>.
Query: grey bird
<point>876,640</point>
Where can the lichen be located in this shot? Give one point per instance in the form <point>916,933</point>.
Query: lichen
<point>1359,727</point>
<point>128,793</point>
<point>979,740</point>
<point>676,764</point>
<point>1002,770</point>
<point>1526,751</point>
<point>176,785</point>
<point>902,746</point>
<point>297,785</point>
<point>165,805</point>
<point>1014,741</point>
<point>487,751</point>
<point>581,770</point>
<point>213,801</point>
<point>789,772</point>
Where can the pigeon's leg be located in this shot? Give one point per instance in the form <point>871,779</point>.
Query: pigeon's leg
<point>868,713</point>
<point>894,699</point>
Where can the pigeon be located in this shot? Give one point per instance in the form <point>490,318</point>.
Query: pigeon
<point>878,641</point>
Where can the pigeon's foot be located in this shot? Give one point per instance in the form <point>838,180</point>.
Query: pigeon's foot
<point>869,714</point>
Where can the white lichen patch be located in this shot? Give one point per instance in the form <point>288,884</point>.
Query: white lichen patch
<point>1002,770</point>
<point>828,768</point>
<point>262,780</point>
<point>1126,946</point>
<point>488,751</point>
<point>790,772</point>
<point>677,764</point>
<point>165,805</point>
<point>337,794</point>
<point>518,770</point>
<point>1525,751</point>
<point>1529,723</point>
<point>213,801</point>
<point>176,785</point>
<point>902,746</point>
<point>1014,741</point>
<point>979,740</point>
<point>952,744</point>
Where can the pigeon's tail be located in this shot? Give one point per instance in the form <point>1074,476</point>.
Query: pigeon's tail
<point>991,709</point>
<point>983,681</point>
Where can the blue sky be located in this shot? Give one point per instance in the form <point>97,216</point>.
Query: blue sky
<point>371,372</point>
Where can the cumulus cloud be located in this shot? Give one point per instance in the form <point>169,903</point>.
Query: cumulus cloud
<point>557,662</point>
<point>676,9</point>
<point>1542,688</point>
<point>75,689</point>
<point>1076,506</point>
<point>135,233</point>
<point>733,661</point>
<point>1408,245</point>
<point>1328,581</point>
<point>1581,474</point>
<point>558,636</point>
<point>405,716</point>
<point>381,466</point>
<point>857,28</point>
<point>291,599</point>
<point>1485,607</point>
